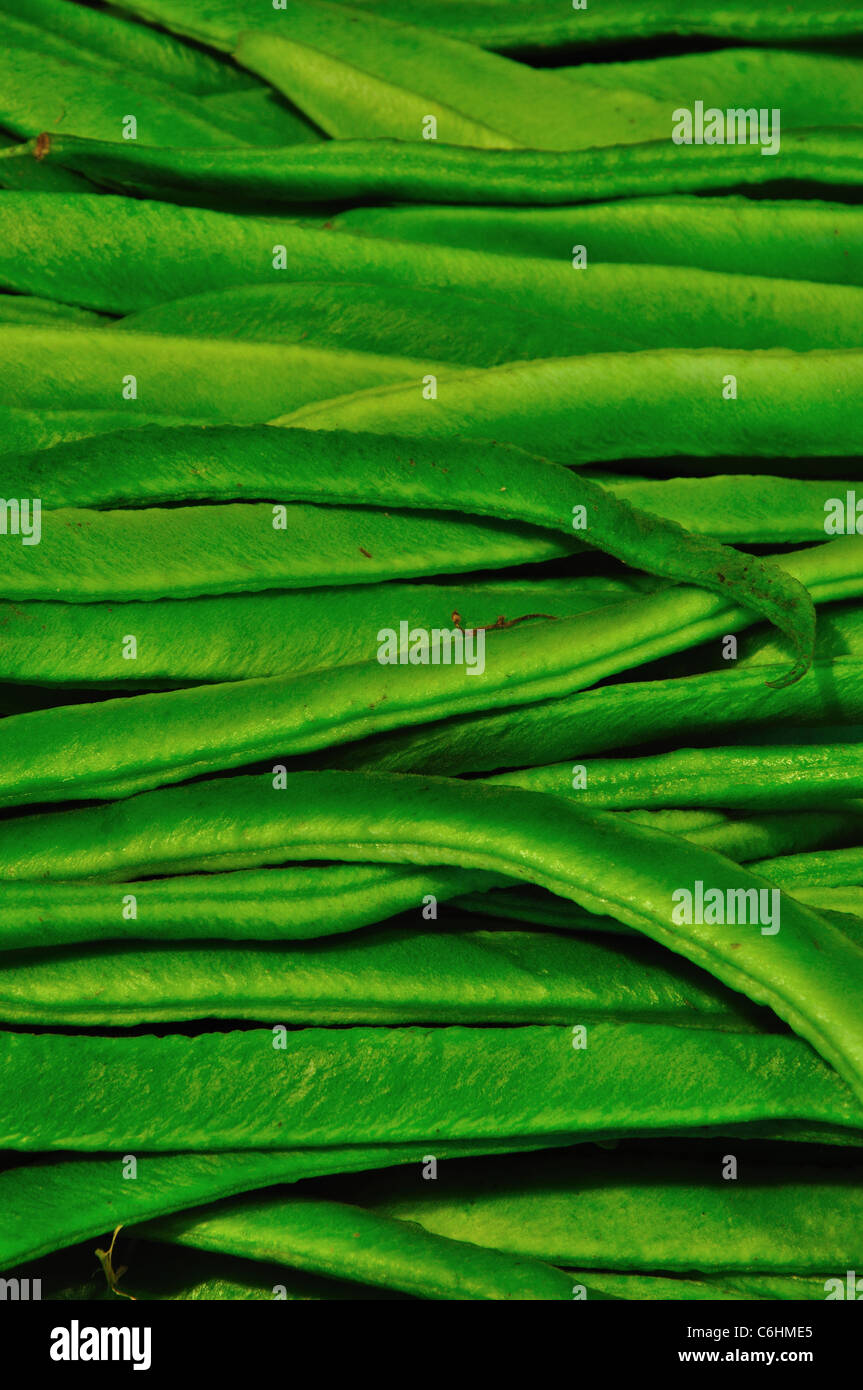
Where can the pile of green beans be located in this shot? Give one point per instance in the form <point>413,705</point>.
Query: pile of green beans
<point>431,651</point>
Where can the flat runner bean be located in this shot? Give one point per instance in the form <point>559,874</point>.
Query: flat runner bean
<point>238,636</point>
<point>613,716</point>
<point>154,464</point>
<point>187,552</point>
<point>769,778</point>
<point>663,403</point>
<point>346,1242</point>
<point>665,1214</point>
<point>326,1087</point>
<point>56,1202</point>
<point>195,378</point>
<point>615,308</point>
<point>106,36</point>
<point>390,976</point>
<point>795,239</point>
<point>40,91</point>
<point>809,88</point>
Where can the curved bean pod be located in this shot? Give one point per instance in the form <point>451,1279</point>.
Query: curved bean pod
<point>847,902</point>
<point>814,88</point>
<point>614,716</point>
<point>154,1274</point>
<point>278,904</point>
<point>39,90</point>
<point>774,778</point>
<point>748,510</point>
<point>829,868</point>
<point>807,972</point>
<point>745,838</point>
<point>57,1202</point>
<point>346,1242</point>
<point>477,330</point>
<point>718,1288</point>
<point>155,464</point>
<point>186,552</point>
<point>490,485</point>
<point>104,35</point>
<point>124,746</point>
<point>93,555</point>
<point>843,905</point>
<point>302,902</point>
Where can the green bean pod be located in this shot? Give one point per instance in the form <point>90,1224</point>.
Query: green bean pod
<point>304,901</point>
<point>346,1242</point>
<point>55,1202</point>
<point>40,90</point>
<point>633,1213</point>
<point>408,171</point>
<point>389,976</point>
<point>125,746</point>
<point>106,35</point>
<point>803,968</point>
<point>153,553</point>
<point>615,308</point>
<point>506,24</point>
<point>829,868</point>
<point>239,636</point>
<point>156,1273</point>
<point>732,702</point>
<point>772,778</point>
<point>188,378</point>
<point>276,904</point>
<point>663,403</point>
<point>490,485</point>
<point>321,1087</point>
<point>802,239</point>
